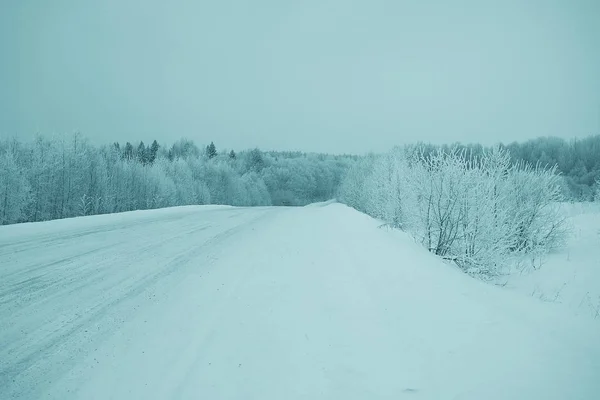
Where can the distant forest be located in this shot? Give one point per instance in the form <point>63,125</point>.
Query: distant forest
<point>51,178</point>
<point>576,160</point>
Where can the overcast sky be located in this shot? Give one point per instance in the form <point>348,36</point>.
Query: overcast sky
<point>335,76</point>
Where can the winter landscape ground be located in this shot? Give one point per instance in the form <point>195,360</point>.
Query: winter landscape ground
<point>317,302</point>
<point>569,277</point>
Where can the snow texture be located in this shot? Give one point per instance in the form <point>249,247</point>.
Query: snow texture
<point>269,303</point>
<point>569,277</point>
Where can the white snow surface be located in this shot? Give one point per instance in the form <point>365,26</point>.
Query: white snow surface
<point>269,303</point>
<point>570,276</point>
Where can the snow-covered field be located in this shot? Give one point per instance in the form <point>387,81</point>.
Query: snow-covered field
<point>270,303</point>
<point>569,277</point>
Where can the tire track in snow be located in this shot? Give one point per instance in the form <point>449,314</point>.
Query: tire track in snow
<point>56,341</point>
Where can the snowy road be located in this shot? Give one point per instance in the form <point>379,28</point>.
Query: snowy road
<point>268,303</point>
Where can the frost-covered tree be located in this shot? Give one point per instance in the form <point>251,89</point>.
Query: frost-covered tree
<point>255,161</point>
<point>184,148</point>
<point>577,160</point>
<point>536,217</point>
<point>352,189</point>
<point>41,176</point>
<point>254,191</point>
<point>14,188</point>
<point>385,188</point>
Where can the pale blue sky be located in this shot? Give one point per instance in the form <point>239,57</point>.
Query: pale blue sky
<point>336,76</point>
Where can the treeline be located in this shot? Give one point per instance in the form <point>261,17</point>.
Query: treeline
<point>50,178</point>
<point>576,160</point>
<point>65,177</point>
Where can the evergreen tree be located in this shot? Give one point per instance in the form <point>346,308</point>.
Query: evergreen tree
<point>153,152</point>
<point>128,151</point>
<point>211,150</point>
<point>142,154</point>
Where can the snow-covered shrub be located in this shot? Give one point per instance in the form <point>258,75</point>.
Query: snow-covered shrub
<point>536,217</point>
<point>473,210</point>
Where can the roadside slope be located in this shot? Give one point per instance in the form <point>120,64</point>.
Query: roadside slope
<point>314,302</point>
